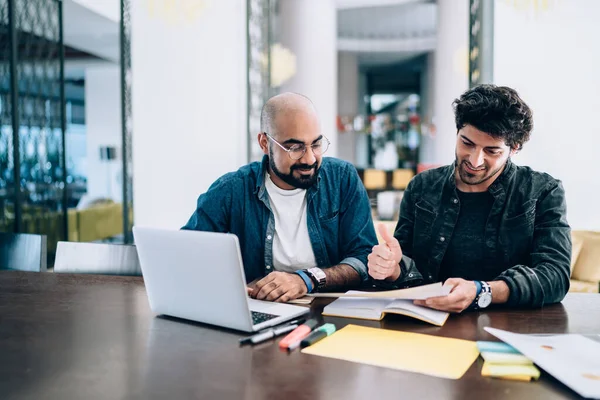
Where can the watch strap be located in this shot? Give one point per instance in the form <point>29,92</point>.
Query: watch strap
<point>479,289</point>
<point>306,279</point>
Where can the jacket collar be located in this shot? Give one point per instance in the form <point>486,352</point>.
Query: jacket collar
<point>496,188</point>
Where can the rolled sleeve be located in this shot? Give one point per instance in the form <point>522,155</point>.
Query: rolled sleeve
<point>358,266</point>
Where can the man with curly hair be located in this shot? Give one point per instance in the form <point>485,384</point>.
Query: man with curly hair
<point>494,232</point>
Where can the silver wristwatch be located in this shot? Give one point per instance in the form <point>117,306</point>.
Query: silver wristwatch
<point>484,298</point>
<point>318,277</point>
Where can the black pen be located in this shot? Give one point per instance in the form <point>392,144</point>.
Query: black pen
<point>274,331</point>
<point>262,337</point>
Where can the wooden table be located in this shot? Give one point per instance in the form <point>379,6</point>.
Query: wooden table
<point>94,337</point>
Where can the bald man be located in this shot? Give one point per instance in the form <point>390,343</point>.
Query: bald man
<point>303,221</point>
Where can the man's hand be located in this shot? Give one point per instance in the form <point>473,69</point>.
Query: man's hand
<point>462,294</point>
<point>384,260</point>
<point>279,286</point>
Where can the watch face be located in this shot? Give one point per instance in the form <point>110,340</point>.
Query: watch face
<point>318,273</point>
<point>484,300</point>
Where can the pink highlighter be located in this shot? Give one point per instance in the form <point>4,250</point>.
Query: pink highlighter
<point>298,334</point>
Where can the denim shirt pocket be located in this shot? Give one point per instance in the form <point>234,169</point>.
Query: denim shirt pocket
<point>517,232</point>
<point>330,225</point>
<point>424,220</point>
<point>330,230</point>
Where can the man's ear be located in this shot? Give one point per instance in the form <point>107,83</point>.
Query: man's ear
<point>514,150</point>
<point>263,142</point>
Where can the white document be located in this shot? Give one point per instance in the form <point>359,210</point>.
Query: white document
<point>572,359</point>
<point>415,293</point>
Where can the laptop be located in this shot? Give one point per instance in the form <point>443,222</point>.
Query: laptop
<point>200,276</point>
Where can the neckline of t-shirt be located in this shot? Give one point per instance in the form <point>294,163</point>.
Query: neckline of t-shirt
<point>272,186</point>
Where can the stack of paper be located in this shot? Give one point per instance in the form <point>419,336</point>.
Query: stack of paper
<point>505,362</point>
<point>302,300</point>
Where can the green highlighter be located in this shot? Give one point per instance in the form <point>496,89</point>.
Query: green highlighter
<point>320,333</point>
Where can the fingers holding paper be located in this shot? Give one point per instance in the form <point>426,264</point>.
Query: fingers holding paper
<point>384,260</point>
<point>462,294</point>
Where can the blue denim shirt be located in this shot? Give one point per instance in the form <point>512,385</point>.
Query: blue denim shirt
<point>338,216</point>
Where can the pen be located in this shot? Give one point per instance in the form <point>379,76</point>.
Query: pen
<point>321,330</point>
<point>276,330</point>
<point>298,334</point>
<point>318,334</point>
<point>271,333</point>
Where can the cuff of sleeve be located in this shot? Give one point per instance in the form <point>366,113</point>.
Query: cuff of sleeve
<point>409,275</point>
<point>358,266</point>
<point>514,295</point>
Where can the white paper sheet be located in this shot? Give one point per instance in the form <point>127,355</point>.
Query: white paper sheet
<point>414,293</point>
<point>572,359</point>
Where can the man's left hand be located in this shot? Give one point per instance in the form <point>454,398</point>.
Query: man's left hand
<point>279,286</point>
<point>462,294</point>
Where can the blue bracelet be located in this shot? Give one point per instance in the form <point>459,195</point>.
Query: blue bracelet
<point>478,285</point>
<point>306,280</point>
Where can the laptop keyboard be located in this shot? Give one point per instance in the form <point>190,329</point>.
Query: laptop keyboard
<point>259,317</point>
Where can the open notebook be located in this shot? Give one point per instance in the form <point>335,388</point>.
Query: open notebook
<point>375,309</point>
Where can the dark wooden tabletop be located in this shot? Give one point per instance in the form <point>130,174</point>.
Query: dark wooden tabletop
<point>94,337</point>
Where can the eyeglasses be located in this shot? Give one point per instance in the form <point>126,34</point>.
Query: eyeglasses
<point>297,151</point>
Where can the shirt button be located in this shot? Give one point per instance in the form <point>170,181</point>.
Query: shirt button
<point>268,267</point>
<point>442,238</point>
<point>411,275</point>
<point>455,201</point>
<point>269,237</point>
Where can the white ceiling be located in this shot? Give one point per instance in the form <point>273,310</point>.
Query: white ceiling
<point>400,21</point>
<point>377,59</point>
<point>379,31</point>
<point>340,4</point>
<point>387,33</point>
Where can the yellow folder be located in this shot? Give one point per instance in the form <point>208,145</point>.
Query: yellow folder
<point>414,352</point>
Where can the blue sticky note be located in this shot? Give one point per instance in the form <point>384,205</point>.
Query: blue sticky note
<point>496,347</point>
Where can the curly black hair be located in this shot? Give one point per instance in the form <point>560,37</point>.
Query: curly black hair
<point>497,111</point>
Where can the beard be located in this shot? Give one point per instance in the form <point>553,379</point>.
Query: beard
<point>301,182</point>
<point>469,178</point>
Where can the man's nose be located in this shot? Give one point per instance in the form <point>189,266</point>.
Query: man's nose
<point>309,156</point>
<point>477,159</point>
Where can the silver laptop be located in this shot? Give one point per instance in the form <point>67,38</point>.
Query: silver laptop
<point>200,276</point>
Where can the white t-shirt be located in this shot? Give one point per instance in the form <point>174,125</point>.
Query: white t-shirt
<point>292,249</point>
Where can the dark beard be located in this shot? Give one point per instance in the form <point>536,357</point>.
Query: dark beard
<point>290,179</point>
<point>467,178</point>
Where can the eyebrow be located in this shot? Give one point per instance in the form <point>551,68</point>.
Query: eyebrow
<point>472,142</point>
<point>296,141</point>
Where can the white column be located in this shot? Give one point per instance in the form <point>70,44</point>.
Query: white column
<point>347,97</point>
<point>103,128</point>
<point>450,79</point>
<point>309,29</point>
<point>189,103</point>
